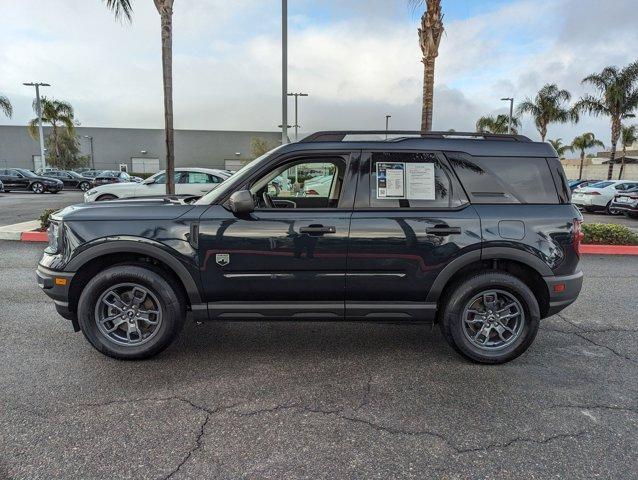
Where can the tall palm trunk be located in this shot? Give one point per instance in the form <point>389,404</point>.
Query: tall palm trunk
<point>615,134</point>
<point>428,94</point>
<point>430,35</point>
<point>582,161</point>
<point>622,161</point>
<point>165,9</point>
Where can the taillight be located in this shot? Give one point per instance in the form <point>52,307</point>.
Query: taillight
<point>578,236</point>
<point>312,192</point>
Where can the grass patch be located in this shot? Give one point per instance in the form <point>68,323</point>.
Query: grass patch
<point>608,234</point>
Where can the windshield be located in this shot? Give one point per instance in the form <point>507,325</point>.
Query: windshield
<point>212,196</point>
<point>26,173</point>
<point>74,174</point>
<point>601,184</point>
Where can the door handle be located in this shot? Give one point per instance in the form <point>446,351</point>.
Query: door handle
<point>317,230</point>
<point>443,230</point>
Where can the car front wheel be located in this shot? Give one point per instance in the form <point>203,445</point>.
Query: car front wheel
<point>130,312</point>
<point>37,187</point>
<point>492,317</point>
<point>84,186</point>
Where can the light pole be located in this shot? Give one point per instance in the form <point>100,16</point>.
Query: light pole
<point>90,138</point>
<point>284,71</point>
<point>387,124</point>
<point>509,125</point>
<point>296,125</point>
<point>38,108</point>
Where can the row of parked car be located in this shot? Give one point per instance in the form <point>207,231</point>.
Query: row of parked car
<point>53,180</point>
<point>616,197</point>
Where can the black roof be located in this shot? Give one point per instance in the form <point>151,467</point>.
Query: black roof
<point>473,143</point>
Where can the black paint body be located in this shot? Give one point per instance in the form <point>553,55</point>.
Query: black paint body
<point>376,263</point>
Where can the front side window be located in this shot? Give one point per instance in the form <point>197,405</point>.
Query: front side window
<point>412,180</point>
<point>198,177</point>
<point>305,184</point>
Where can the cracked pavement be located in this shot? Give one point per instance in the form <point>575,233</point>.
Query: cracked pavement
<point>320,400</point>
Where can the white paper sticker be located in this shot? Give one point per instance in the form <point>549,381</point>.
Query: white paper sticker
<point>420,181</point>
<point>390,180</point>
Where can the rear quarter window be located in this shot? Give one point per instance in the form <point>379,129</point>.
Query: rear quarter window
<point>505,179</point>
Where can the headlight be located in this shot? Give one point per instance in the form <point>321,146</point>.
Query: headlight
<point>53,232</point>
<point>90,193</point>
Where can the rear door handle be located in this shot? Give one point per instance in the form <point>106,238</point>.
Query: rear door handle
<point>317,230</point>
<point>443,230</point>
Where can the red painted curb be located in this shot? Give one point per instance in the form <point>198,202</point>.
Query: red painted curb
<point>609,249</point>
<point>34,237</point>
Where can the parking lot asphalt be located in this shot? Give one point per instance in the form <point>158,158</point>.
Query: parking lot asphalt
<point>320,400</point>
<point>16,207</point>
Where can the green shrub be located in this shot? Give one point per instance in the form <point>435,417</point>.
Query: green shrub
<point>608,234</point>
<point>44,218</point>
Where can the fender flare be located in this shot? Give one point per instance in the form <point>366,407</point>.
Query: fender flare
<point>488,253</point>
<point>144,247</point>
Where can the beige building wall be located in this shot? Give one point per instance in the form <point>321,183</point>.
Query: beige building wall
<point>599,172</point>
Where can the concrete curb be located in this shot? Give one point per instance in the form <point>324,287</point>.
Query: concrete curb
<point>15,231</point>
<point>608,249</point>
<point>36,236</point>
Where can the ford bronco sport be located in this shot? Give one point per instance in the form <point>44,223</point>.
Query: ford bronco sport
<point>473,231</point>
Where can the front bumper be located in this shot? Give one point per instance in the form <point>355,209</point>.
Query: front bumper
<point>53,188</point>
<point>569,291</point>
<point>625,207</point>
<point>56,285</point>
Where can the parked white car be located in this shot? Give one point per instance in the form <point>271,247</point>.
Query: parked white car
<point>600,195</point>
<point>188,181</point>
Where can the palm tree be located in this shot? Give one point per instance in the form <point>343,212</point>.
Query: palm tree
<point>628,136</point>
<point>57,113</point>
<point>5,106</point>
<point>560,148</point>
<point>584,142</point>
<point>165,9</point>
<point>548,107</point>
<point>498,124</point>
<point>430,35</point>
<point>618,98</point>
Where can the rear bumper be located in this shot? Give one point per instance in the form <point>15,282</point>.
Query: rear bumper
<point>570,286</point>
<point>625,207</point>
<point>57,291</point>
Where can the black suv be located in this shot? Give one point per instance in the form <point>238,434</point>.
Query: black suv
<point>473,231</point>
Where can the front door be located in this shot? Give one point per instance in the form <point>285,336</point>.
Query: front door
<point>411,219</point>
<point>288,257</point>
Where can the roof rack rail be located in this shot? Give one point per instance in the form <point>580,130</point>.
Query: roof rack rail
<point>339,135</point>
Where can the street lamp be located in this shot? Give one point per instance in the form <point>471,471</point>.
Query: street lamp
<point>297,95</point>
<point>38,107</point>
<point>90,138</point>
<point>387,124</point>
<point>284,71</point>
<point>511,100</point>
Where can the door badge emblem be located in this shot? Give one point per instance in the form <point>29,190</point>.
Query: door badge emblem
<point>222,259</point>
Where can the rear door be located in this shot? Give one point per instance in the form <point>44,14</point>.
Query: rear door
<point>411,219</point>
<point>196,183</point>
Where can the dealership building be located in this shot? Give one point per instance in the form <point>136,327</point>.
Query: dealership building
<point>140,150</point>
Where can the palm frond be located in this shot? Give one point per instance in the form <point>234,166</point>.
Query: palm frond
<point>5,106</point>
<point>120,8</point>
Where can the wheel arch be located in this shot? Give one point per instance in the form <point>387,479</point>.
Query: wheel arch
<point>114,252</point>
<point>523,265</point>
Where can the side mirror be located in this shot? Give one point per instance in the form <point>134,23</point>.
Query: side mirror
<point>242,202</point>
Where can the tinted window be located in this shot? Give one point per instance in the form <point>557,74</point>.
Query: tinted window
<point>600,184</point>
<point>505,179</point>
<point>412,180</point>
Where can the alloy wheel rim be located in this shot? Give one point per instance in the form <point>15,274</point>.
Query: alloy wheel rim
<point>37,188</point>
<point>128,314</point>
<point>493,319</point>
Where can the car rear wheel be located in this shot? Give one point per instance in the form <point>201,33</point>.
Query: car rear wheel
<point>105,197</point>
<point>37,187</point>
<point>130,312</point>
<point>612,211</point>
<point>492,317</point>
<point>84,186</point>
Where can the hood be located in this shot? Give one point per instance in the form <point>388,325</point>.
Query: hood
<point>114,186</point>
<point>124,210</point>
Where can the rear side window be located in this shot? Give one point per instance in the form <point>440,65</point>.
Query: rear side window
<point>505,179</point>
<point>412,180</point>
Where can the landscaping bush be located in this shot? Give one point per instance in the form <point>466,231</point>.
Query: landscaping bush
<point>44,218</point>
<point>608,234</point>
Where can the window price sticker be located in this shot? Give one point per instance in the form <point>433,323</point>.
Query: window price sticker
<point>390,180</point>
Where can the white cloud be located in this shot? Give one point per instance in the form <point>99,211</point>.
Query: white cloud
<point>357,68</point>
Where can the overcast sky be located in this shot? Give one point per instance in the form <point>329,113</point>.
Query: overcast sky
<point>358,59</point>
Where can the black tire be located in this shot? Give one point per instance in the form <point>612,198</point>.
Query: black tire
<point>37,187</point>
<point>452,323</point>
<point>84,186</point>
<point>610,211</point>
<point>105,197</point>
<point>171,306</point>
<point>590,209</point>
